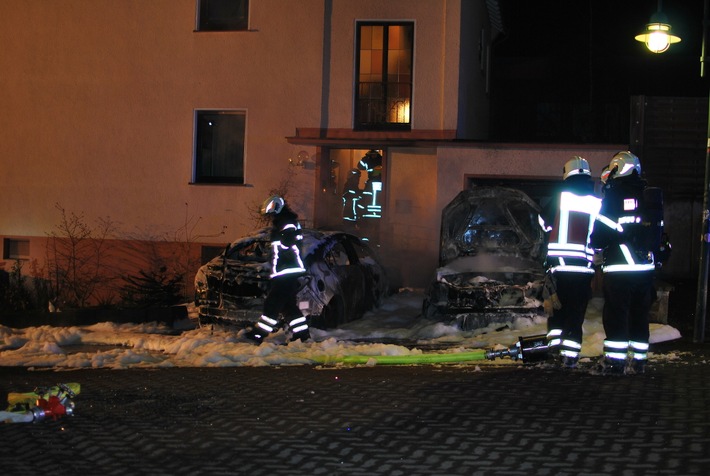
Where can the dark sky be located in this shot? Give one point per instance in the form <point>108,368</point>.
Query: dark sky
<point>583,37</point>
<point>583,51</point>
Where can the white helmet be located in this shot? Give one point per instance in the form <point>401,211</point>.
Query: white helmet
<point>274,204</point>
<point>576,166</point>
<point>623,164</point>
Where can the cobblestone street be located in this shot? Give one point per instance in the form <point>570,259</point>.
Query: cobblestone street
<point>411,420</point>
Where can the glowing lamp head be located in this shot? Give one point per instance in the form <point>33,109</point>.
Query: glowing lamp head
<point>658,36</point>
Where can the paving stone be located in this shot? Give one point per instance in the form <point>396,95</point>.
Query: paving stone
<point>408,420</point>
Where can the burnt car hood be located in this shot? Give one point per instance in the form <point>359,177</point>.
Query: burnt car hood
<point>491,253</point>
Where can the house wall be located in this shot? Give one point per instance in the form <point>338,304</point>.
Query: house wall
<point>410,230</point>
<point>436,62</point>
<point>99,97</point>
<point>524,161</point>
<point>99,101</point>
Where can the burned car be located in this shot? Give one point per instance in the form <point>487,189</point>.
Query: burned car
<point>491,258</point>
<point>343,280</point>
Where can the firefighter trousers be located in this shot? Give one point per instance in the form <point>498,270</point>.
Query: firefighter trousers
<point>574,291</point>
<point>628,297</point>
<point>281,303</point>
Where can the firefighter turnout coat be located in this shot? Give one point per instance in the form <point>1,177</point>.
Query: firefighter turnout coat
<point>628,231</point>
<point>570,263</point>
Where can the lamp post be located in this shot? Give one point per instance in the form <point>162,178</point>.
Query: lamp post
<point>701,302</point>
<point>658,38</point>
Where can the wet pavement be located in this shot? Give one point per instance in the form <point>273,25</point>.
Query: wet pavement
<point>474,419</point>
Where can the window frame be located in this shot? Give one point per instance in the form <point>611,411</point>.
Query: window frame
<point>358,108</point>
<point>12,249</point>
<point>203,22</point>
<point>198,177</point>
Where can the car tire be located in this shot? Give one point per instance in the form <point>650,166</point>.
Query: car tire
<point>429,310</point>
<point>333,313</point>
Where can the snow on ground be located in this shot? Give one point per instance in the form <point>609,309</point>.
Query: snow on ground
<point>122,346</point>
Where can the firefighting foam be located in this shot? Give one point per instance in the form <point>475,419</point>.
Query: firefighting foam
<point>396,328</point>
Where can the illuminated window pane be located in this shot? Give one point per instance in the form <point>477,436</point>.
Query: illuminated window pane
<point>383,92</point>
<point>365,62</point>
<point>376,62</point>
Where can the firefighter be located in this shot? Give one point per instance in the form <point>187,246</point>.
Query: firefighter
<point>352,195</point>
<point>372,164</point>
<point>569,260</point>
<point>286,269</point>
<point>628,231</point>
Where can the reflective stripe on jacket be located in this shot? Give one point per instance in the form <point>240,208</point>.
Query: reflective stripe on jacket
<point>286,251</point>
<point>568,248</point>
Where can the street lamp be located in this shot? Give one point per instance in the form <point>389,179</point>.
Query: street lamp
<point>658,39</point>
<point>657,35</point>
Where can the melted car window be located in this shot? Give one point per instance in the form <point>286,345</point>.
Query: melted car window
<point>489,213</point>
<point>337,256</point>
<point>364,254</point>
<point>524,219</point>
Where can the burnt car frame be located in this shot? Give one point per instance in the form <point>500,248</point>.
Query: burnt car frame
<point>491,258</point>
<point>343,280</point>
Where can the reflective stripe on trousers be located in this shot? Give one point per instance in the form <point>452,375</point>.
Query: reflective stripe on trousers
<point>553,338</point>
<point>570,348</point>
<point>619,350</point>
<point>296,325</point>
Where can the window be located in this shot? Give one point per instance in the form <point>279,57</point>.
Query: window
<point>383,94</point>
<point>208,252</point>
<point>337,256</point>
<point>219,146</point>
<point>223,15</point>
<point>16,249</point>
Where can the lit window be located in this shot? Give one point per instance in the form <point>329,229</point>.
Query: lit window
<point>219,146</point>
<point>383,94</point>
<point>223,15</point>
<point>16,249</point>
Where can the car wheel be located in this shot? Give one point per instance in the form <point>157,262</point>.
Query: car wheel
<point>333,313</point>
<point>429,310</point>
<point>436,294</point>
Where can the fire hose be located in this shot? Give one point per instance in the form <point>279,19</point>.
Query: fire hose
<point>528,349</point>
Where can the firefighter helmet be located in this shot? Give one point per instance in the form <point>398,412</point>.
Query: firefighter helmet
<point>623,164</point>
<point>576,166</point>
<point>274,204</point>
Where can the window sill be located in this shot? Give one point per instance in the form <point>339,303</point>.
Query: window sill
<point>221,184</point>
<point>250,30</point>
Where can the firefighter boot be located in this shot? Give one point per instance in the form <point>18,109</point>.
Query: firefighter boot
<point>264,326</point>
<point>302,335</point>
<point>299,329</point>
<point>569,362</point>
<point>609,366</point>
<point>635,367</point>
<point>255,335</point>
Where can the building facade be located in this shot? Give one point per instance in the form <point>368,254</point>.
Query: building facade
<point>168,122</point>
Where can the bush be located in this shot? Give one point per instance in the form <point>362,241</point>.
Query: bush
<point>150,289</point>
